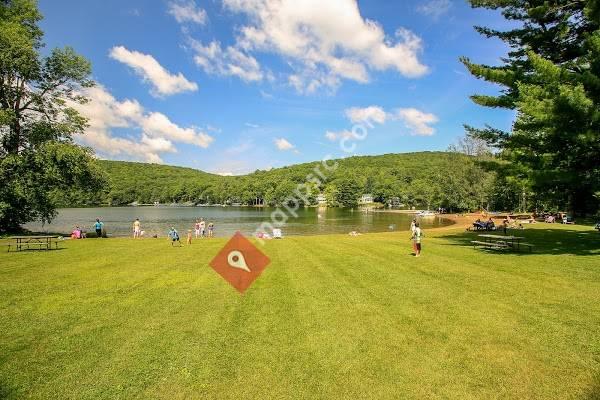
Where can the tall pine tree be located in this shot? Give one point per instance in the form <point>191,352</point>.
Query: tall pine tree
<point>551,77</point>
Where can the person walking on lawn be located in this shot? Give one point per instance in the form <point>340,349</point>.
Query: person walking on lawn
<point>416,238</point>
<point>413,226</point>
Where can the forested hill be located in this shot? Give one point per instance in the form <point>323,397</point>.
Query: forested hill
<point>421,179</point>
<point>146,183</point>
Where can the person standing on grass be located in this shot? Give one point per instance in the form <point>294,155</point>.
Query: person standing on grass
<point>197,228</point>
<point>211,228</point>
<point>98,227</point>
<point>137,228</point>
<point>413,226</point>
<point>174,236</point>
<point>416,238</point>
<point>202,227</point>
<point>189,236</point>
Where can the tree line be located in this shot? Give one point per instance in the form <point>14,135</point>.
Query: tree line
<point>451,180</point>
<point>548,160</point>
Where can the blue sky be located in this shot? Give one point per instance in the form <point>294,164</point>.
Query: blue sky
<point>230,86</point>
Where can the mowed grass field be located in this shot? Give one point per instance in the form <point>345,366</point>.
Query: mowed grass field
<point>332,317</point>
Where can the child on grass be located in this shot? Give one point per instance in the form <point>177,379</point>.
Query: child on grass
<point>174,236</point>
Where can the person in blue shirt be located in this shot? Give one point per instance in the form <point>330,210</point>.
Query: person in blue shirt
<point>174,236</point>
<point>98,226</point>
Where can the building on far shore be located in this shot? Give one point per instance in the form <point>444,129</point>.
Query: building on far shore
<point>395,202</point>
<point>365,199</point>
<point>321,199</point>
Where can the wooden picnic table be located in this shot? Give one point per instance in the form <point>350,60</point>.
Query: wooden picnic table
<point>40,242</point>
<point>512,241</point>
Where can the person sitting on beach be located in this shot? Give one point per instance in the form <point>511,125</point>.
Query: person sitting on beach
<point>263,235</point>
<point>174,236</point>
<point>489,225</point>
<point>76,234</point>
<point>477,224</point>
<point>277,233</point>
<point>354,233</point>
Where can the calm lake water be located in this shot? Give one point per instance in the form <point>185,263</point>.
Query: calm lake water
<point>157,220</point>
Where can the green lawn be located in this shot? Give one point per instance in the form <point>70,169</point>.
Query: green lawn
<point>331,317</point>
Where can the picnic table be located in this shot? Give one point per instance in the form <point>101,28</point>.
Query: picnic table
<point>499,242</point>
<point>42,242</point>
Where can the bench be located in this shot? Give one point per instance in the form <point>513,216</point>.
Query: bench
<point>27,246</point>
<point>490,245</point>
<point>528,245</point>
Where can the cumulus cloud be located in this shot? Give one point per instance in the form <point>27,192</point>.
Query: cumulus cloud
<point>283,144</point>
<point>229,61</point>
<point>368,114</point>
<point>325,41</point>
<point>146,66</point>
<point>417,121</point>
<point>157,132</point>
<point>345,134</point>
<point>187,11</point>
<point>435,8</point>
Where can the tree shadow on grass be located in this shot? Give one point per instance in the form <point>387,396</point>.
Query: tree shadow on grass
<point>594,392</point>
<point>544,240</point>
<point>4,392</point>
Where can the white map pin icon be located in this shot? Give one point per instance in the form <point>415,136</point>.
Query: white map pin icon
<point>236,259</point>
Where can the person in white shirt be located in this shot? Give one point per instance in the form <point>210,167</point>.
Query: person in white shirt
<point>413,226</point>
<point>202,227</point>
<point>416,238</point>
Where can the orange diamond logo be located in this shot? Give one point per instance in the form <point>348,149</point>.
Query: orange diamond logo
<point>240,262</point>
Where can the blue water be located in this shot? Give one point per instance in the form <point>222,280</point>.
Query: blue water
<point>227,220</point>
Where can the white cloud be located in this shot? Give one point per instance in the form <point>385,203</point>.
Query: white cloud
<point>435,8</point>
<point>283,144</point>
<point>417,121</point>
<point>266,95</point>
<point>146,66</point>
<point>157,132</point>
<point>230,61</point>
<point>187,11</point>
<point>325,41</point>
<point>225,173</point>
<point>345,134</point>
<point>368,114</point>
<point>251,125</point>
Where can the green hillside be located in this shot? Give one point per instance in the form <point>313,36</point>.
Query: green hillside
<point>146,183</point>
<point>451,180</point>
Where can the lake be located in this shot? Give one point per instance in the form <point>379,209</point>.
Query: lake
<point>157,220</point>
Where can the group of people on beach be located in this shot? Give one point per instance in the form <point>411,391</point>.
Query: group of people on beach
<point>80,233</point>
<point>201,230</point>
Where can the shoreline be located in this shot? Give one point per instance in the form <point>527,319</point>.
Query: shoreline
<point>457,219</point>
